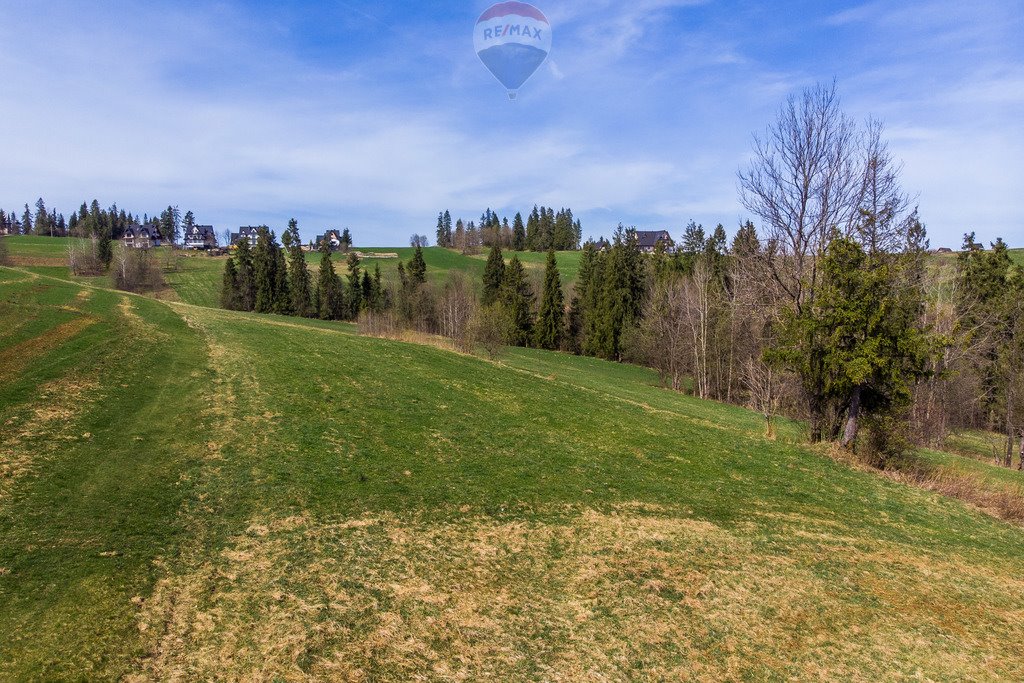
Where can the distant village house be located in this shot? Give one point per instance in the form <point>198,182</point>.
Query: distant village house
<point>248,232</point>
<point>334,240</point>
<point>200,237</point>
<point>142,236</point>
<point>648,240</point>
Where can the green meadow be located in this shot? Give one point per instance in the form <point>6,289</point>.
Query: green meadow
<point>193,494</point>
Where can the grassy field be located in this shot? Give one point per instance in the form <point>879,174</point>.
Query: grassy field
<point>1018,256</point>
<point>191,494</point>
<point>197,278</point>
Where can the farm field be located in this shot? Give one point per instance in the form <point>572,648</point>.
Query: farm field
<point>189,493</point>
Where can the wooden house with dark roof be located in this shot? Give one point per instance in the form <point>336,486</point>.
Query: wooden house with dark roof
<point>200,237</point>
<point>142,236</point>
<point>333,238</point>
<point>648,240</point>
<point>249,232</point>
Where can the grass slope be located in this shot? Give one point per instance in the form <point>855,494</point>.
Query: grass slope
<point>192,494</point>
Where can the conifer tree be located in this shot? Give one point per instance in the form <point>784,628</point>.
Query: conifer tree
<point>494,273</point>
<point>550,329</point>
<point>418,267</point>
<point>246,276</point>
<point>229,294</point>
<point>517,301</point>
<point>330,297</point>
<point>533,229</point>
<point>264,266</point>
<point>26,221</point>
<point>518,233</point>
<point>355,288</point>
<point>299,285</point>
<point>282,295</point>
<point>441,242</point>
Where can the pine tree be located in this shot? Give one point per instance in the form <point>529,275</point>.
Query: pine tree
<point>330,296</point>
<point>188,222</point>
<point>550,329</point>
<point>246,276</point>
<point>346,239</point>
<point>299,284</point>
<point>355,289</point>
<point>264,267</point>
<point>282,295</point>
<point>42,225</point>
<point>518,233</point>
<point>26,220</point>
<point>441,242</point>
<point>533,229</point>
<point>494,273</point>
<point>418,267</point>
<point>517,301</point>
<point>229,293</point>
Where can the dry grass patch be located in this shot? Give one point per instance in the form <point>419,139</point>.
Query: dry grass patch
<point>597,595</point>
<point>16,358</point>
<point>44,427</point>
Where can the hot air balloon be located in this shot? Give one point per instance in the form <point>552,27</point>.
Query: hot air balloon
<point>512,39</point>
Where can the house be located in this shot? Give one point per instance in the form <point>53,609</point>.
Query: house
<point>200,237</point>
<point>249,232</point>
<point>142,236</point>
<point>333,238</point>
<point>943,250</point>
<point>603,244</point>
<point>648,240</point>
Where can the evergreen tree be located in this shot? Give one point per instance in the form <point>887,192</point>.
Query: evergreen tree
<point>576,305</point>
<point>518,233</point>
<point>330,297</point>
<point>188,222</point>
<point>355,288</point>
<point>42,224</point>
<point>441,241</point>
<point>549,332</point>
<point>229,292</point>
<point>366,291</point>
<point>282,295</point>
<point>418,267</point>
<point>299,285</point>
<point>264,271</point>
<point>26,220</point>
<point>517,301</point>
<point>494,273</point>
<point>246,276</point>
<point>621,297</point>
<point>533,230</point>
<point>346,239</point>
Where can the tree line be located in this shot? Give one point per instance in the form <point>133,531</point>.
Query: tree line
<point>542,230</point>
<point>830,311</point>
<point>91,220</point>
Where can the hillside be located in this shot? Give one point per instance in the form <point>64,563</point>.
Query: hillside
<point>197,278</point>
<point>188,493</point>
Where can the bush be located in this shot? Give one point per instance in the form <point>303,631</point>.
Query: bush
<point>84,257</point>
<point>488,328</point>
<point>136,270</point>
<point>885,443</point>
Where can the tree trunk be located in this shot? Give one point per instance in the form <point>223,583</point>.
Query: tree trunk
<point>1020,456</point>
<point>850,433</point>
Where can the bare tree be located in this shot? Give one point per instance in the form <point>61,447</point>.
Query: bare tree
<point>804,182</point>
<point>457,307</point>
<point>697,302</point>
<point>764,386</point>
<point>83,256</point>
<point>664,334</point>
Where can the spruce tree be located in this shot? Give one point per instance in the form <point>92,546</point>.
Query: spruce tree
<point>518,233</point>
<point>282,295</point>
<point>494,273</point>
<point>330,296</point>
<point>264,265</point>
<point>355,288</point>
<point>229,294</point>
<point>441,242</point>
<point>246,276</point>
<point>517,301</point>
<point>418,267</point>
<point>550,329</point>
<point>299,284</point>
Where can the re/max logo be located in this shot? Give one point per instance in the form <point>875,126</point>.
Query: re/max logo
<point>511,30</point>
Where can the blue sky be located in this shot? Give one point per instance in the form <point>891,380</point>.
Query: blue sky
<point>376,115</point>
